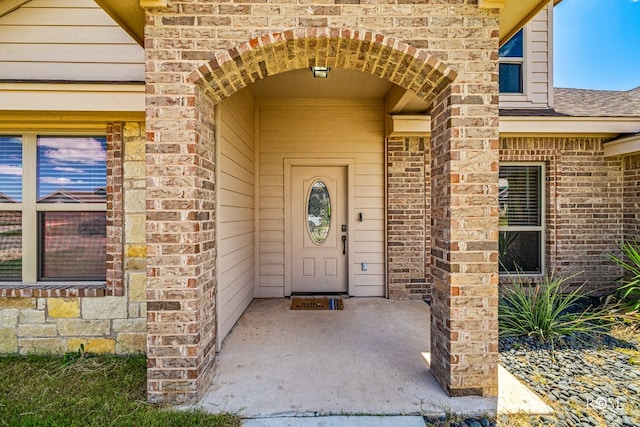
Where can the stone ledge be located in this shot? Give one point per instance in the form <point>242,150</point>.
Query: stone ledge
<point>47,290</point>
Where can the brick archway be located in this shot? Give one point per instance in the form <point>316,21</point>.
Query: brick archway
<point>364,51</point>
<point>181,185</point>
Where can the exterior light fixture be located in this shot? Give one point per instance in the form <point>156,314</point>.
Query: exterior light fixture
<point>320,72</point>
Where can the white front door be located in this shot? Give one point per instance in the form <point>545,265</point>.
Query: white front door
<point>319,235</point>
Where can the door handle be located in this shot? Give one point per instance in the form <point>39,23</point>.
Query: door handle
<point>344,244</point>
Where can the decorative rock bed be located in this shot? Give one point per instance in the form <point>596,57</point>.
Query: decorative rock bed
<point>588,381</point>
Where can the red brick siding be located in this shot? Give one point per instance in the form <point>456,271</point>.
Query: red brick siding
<point>631,213</point>
<point>408,213</point>
<point>115,210</point>
<point>583,204</point>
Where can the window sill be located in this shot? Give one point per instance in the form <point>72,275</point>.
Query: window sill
<point>52,289</point>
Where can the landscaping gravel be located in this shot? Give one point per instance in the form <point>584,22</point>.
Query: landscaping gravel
<point>587,381</point>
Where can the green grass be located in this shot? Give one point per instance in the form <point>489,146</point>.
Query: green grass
<point>85,390</point>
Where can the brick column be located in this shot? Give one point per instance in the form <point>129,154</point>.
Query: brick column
<point>464,173</point>
<point>115,205</point>
<point>180,235</point>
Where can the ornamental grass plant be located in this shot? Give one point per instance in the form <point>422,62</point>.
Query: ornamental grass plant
<point>629,292</point>
<point>547,310</point>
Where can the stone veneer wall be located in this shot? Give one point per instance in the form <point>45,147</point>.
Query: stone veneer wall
<point>408,218</point>
<point>584,204</point>
<point>109,319</point>
<point>631,213</point>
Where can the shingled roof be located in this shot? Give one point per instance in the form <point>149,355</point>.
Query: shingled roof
<point>597,103</point>
<point>585,103</point>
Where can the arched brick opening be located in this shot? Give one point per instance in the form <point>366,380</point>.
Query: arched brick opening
<point>365,51</point>
<point>362,51</point>
<point>464,153</point>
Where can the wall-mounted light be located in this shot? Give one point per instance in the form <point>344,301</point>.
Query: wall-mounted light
<point>320,72</point>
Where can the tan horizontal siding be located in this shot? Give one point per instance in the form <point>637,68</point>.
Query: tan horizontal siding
<point>319,129</point>
<point>67,40</point>
<point>236,210</point>
<point>537,66</point>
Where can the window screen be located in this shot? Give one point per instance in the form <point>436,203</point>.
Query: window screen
<point>10,246</point>
<point>10,169</point>
<point>72,170</point>
<point>520,195</point>
<point>73,245</point>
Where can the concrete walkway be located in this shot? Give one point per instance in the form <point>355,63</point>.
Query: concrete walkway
<point>366,359</point>
<point>337,421</point>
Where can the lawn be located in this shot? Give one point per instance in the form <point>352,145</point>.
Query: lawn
<point>85,390</point>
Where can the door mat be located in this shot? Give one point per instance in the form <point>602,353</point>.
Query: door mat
<point>317,304</point>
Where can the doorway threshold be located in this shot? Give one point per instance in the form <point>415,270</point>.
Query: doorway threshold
<point>341,295</point>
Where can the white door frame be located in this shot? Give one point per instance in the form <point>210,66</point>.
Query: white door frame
<point>289,163</point>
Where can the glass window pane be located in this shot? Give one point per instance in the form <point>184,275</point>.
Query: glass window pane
<point>72,170</point>
<point>510,78</point>
<point>514,48</point>
<point>519,197</point>
<point>520,251</point>
<point>319,212</point>
<point>10,169</point>
<point>73,245</point>
<point>10,246</point>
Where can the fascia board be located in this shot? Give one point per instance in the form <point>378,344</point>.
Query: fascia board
<point>569,125</point>
<point>622,146</point>
<point>406,125</point>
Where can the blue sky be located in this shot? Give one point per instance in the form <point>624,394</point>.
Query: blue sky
<point>67,164</point>
<point>597,44</point>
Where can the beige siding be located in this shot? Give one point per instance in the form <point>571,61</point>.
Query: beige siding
<point>316,129</point>
<point>66,40</point>
<point>236,213</point>
<point>538,79</point>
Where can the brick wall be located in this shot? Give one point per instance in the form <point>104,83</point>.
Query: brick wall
<point>584,199</point>
<point>408,214</point>
<point>631,200</point>
<point>590,205</point>
<point>111,319</point>
<point>215,49</point>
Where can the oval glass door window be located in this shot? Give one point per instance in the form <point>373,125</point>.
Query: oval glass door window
<point>318,212</point>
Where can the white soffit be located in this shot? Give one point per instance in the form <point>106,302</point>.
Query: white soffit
<point>72,97</point>
<point>622,146</point>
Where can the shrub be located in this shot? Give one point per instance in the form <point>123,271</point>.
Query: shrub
<point>545,310</point>
<point>629,291</point>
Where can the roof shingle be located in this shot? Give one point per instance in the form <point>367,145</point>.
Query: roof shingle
<point>597,103</point>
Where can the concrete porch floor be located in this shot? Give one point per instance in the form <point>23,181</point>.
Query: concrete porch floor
<point>365,359</point>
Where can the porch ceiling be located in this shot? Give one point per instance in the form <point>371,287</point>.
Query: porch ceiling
<point>341,84</point>
<point>130,15</point>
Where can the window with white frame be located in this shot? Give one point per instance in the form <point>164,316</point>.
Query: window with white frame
<point>521,227</point>
<point>52,208</point>
<point>512,65</point>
